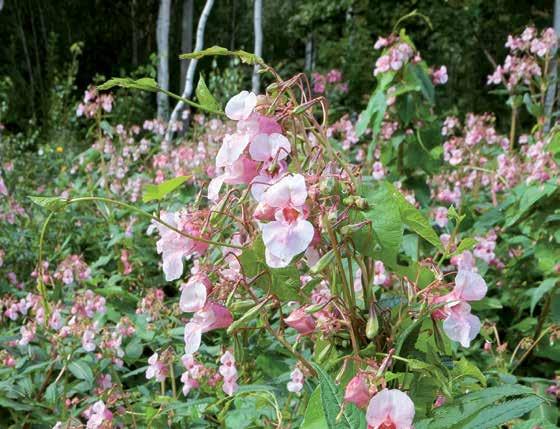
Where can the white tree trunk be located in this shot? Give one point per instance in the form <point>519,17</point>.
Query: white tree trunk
<point>1,4</point>
<point>186,36</point>
<point>257,19</point>
<point>162,39</point>
<point>309,52</point>
<point>553,76</point>
<point>189,79</point>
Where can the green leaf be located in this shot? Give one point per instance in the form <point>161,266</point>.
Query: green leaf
<point>50,203</point>
<point>385,218</point>
<point>465,244</point>
<point>331,399</point>
<point>413,219</point>
<point>537,293</point>
<point>158,192</point>
<point>494,416</point>
<point>145,84</point>
<point>376,106</point>
<point>464,368</point>
<point>497,404</point>
<point>205,98</point>
<point>314,417</point>
<point>81,370</point>
<point>244,56</point>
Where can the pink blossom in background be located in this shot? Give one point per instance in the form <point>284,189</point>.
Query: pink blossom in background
<point>212,316</point>
<point>98,414</point>
<point>229,373</point>
<point>157,369</point>
<point>390,409</point>
<point>295,385</point>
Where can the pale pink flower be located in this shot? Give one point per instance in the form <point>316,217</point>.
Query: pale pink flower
<point>156,368</point>
<point>228,370</point>
<point>194,293</point>
<point>231,149</point>
<point>439,76</point>
<point>378,172</point>
<point>241,106</point>
<point>97,415</point>
<point>379,274</point>
<point>212,316</point>
<point>295,385</point>
<point>390,409</point>
<point>88,340</point>
<point>441,217</point>
<point>460,325</point>
<point>269,147</point>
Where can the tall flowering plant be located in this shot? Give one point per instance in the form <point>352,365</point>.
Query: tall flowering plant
<point>295,265</point>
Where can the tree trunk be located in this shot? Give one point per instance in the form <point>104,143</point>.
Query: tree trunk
<point>134,34</point>
<point>1,4</point>
<point>553,75</point>
<point>189,79</point>
<point>186,37</point>
<point>257,18</point>
<point>309,54</point>
<point>162,38</point>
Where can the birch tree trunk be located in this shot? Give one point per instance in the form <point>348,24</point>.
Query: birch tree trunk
<point>257,19</point>
<point>186,36</point>
<point>134,34</point>
<point>309,52</point>
<point>162,39</point>
<point>553,76</point>
<point>189,79</point>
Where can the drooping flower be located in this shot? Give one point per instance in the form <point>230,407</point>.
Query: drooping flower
<point>357,391</point>
<point>269,147</point>
<point>212,316</point>
<point>301,321</point>
<point>390,409</point>
<point>459,324</point>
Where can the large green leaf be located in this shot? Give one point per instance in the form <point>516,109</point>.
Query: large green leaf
<point>314,417</point>
<point>484,409</point>
<point>385,218</point>
<point>244,56</point>
<point>413,219</point>
<point>537,293</point>
<point>145,84</point>
<point>205,97</point>
<point>376,107</point>
<point>50,203</point>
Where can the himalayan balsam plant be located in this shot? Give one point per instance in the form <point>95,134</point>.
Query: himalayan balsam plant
<point>308,260</point>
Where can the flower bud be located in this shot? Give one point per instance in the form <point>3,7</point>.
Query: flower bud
<point>357,391</point>
<point>323,263</point>
<point>301,321</point>
<point>372,326</point>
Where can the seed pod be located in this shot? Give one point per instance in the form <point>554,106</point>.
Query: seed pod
<point>323,263</point>
<point>372,326</point>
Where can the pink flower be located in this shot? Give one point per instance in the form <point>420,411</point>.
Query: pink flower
<point>295,385</point>
<point>357,391</point>
<point>301,321</point>
<point>88,340</point>
<point>231,149</point>
<point>439,76</point>
<point>241,106</point>
<point>212,316</point>
<point>228,370</point>
<point>289,234</point>
<point>194,293</point>
<point>378,172</point>
<point>189,383</point>
<point>379,275</point>
<point>460,325</point>
<point>240,172</point>
<point>390,409</point>
<point>270,147</point>
<point>156,368</point>
<point>97,415</point>
<point>173,246</point>
<point>441,217</point>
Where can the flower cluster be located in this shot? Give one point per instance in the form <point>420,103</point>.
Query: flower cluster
<point>331,81</point>
<point>94,102</point>
<point>524,63</point>
<point>396,53</point>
